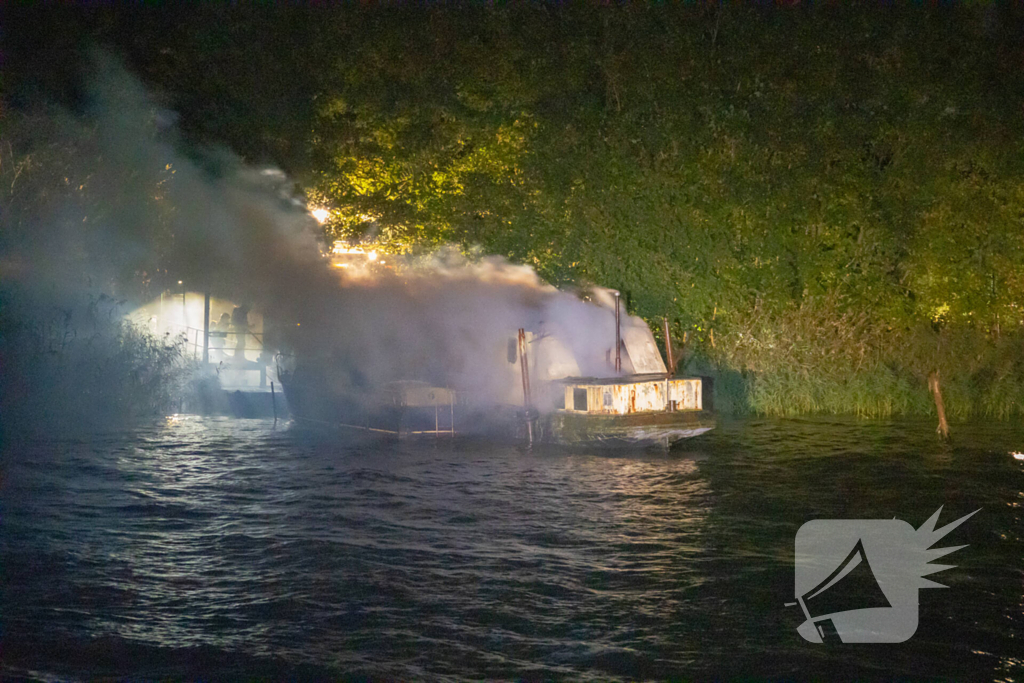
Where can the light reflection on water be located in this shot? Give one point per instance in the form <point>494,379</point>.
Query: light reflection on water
<point>227,548</point>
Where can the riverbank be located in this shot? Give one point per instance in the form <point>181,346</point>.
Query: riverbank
<point>818,364</point>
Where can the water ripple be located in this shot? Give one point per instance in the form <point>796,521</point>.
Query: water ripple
<point>218,548</point>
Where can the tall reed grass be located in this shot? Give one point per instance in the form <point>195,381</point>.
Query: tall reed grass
<point>818,358</point>
<point>83,367</point>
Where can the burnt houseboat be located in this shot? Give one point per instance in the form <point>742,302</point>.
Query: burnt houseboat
<point>541,397</point>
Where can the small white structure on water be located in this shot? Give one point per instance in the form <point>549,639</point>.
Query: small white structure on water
<point>232,344</point>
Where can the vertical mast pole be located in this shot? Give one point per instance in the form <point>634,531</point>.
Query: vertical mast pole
<point>618,337</point>
<point>671,369</point>
<point>524,367</point>
<point>206,328</point>
<point>668,350</point>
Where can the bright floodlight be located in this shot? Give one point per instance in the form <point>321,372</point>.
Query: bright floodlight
<point>321,215</point>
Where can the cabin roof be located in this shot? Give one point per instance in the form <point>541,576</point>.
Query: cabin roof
<point>622,379</point>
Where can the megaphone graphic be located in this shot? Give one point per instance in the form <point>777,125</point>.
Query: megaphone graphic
<point>851,586</point>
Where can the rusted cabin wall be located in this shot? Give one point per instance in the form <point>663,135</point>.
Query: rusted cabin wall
<point>686,393</point>
<point>635,397</point>
<point>623,399</point>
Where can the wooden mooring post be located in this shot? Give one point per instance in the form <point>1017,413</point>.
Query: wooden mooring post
<point>933,386</point>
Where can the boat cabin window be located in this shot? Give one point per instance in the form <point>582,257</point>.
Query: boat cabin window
<point>513,350</point>
<point>579,399</point>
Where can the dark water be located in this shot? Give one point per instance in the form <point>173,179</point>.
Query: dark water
<point>218,549</point>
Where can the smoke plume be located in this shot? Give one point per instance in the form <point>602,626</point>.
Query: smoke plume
<point>135,209</point>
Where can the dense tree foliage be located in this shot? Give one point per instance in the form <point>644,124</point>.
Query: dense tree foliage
<point>834,192</point>
<point>826,201</point>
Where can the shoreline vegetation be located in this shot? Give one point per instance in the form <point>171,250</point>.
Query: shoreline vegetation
<point>84,367</point>
<point>825,202</point>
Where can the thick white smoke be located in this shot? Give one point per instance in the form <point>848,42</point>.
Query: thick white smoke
<point>448,320</point>
<point>236,231</point>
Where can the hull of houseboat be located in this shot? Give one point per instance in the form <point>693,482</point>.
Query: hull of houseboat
<point>636,430</point>
<point>619,413</point>
<point>637,410</point>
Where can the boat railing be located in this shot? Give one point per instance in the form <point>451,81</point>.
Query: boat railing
<point>195,344</point>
